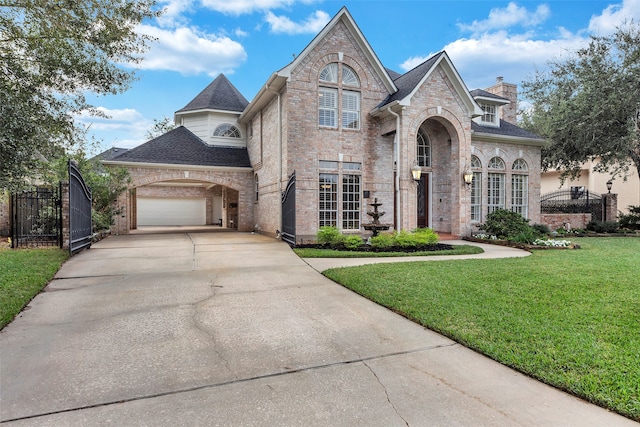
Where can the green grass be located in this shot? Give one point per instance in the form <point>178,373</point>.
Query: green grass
<point>570,318</point>
<point>332,253</point>
<point>23,273</point>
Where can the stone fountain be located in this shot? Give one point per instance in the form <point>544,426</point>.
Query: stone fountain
<point>375,226</point>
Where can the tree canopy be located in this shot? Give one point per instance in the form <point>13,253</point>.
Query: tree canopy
<point>53,52</point>
<point>588,106</point>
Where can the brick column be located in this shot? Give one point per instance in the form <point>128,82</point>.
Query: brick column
<point>610,206</point>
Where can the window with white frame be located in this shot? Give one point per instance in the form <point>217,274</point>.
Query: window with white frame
<point>489,113</point>
<point>335,102</point>
<point>227,130</point>
<point>520,188</point>
<point>340,206</point>
<point>476,189</point>
<point>496,184</point>
<point>423,149</point>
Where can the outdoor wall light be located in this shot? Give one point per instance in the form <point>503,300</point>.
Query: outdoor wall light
<point>609,185</point>
<point>416,171</point>
<point>467,175</point>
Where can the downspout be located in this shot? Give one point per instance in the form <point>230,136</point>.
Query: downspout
<point>396,150</point>
<point>279,230</point>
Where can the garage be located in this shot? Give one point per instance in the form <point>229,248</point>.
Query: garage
<point>171,211</point>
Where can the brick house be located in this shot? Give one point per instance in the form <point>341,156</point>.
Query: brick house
<point>339,129</point>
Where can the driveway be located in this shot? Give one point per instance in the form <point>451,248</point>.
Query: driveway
<point>234,329</point>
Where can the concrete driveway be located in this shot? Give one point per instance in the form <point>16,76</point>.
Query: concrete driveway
<point>212,329</point>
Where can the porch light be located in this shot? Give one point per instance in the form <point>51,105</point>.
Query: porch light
<point>416,171</point>
<point>467,175</point>
<point>609,185</point>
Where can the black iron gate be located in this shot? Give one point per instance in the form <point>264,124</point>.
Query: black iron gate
<point>576,200</point>
<point>36,218</point>
<point>289,211</point>
<point>79,210</point>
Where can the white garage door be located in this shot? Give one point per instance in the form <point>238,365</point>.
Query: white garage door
<point>152,211</point>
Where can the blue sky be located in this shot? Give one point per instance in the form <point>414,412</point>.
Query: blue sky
<point>247,40</point>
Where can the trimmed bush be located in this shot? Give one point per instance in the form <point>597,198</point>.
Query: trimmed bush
<point>602,226</point>
<point>425,236</point>
<point>383,240</point>
<point>352,241</point>
<point>630,220</point>
<point>329,235</point>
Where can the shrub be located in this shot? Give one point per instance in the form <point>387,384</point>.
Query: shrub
<point>527,235</point>
<point>603,226</point>
<point>406,239</point>
<point>329,235</point>
<point>542,228</point>
<point>382,240</point>
<point>352,241</point>
<point>630,220</point>
<point>425,236</point>
<point>505,224</point>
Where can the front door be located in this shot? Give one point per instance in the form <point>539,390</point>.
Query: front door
<point>423,201</point>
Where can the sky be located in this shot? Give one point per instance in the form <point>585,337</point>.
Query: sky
<point>248,40</point>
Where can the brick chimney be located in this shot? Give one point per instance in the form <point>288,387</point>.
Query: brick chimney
<point>508,112</point>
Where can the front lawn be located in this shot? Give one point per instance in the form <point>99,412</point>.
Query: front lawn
<point>570,318</point>
<point>23,273</point>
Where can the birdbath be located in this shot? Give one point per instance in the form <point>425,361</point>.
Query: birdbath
<point>375,226</point>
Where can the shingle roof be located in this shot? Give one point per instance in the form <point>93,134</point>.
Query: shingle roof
<point>506,129</point>
<point>393,74</point>
<point>407,82</point>
<point>219,95</point>
<point>110,154</point>
<point>181,147</point>
<point>483,93</point>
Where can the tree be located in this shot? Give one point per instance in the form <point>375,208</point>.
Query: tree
<point>588,106</point>
<point>52,52</point>
<point>160,127</point>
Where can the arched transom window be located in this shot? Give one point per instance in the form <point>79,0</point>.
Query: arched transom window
<point>424,149</point>
<point>227,130</point>
<point>338,97</point>
<point>496,163</point>
<point>520,165</point>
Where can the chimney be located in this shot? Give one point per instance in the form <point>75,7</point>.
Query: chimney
<point>508,112</point>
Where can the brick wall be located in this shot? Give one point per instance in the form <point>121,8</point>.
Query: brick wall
<point>555,221</point>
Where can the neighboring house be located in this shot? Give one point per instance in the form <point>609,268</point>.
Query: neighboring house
<point>334,130</point>
<point>628,191</point>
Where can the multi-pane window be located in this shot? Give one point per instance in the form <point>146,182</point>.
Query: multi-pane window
<point>424,149</point>
<point>496,184</point>
<point>476,190</point>
<point>520,188</point>
<point>334,102</point>
<point>328,206</point>
<point>488,113</point>
<point>328,107</point>
<point>227,130</point>
<point>347,196</point>
<point>351,202</point>
<point>350,110</point>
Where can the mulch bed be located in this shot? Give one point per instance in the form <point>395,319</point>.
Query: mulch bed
<point>367,248</point>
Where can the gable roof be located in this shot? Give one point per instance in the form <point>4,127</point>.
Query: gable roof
<point>508,130</point>
<point>181,147</point>
<point>220,94</point>
<point>409,83</point>
<point>110,154</point>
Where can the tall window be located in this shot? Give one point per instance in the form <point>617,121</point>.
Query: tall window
<point>338,96</point>
<point>476,190</point>
<point>227,130</point>
<point>347,196</point>
<point>424,149</point>
<point>520,188</point>
<point>496,184</point>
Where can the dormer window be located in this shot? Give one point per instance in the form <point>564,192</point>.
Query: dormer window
<point>227,130</point>
<point>489,114</point>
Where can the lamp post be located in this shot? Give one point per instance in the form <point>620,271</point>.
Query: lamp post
<point>609,185</point>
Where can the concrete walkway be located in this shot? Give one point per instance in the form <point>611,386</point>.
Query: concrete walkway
<point>233,329</point>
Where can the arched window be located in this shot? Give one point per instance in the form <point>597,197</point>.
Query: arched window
<point>476,189</point>
<point>227,130</point>
<point>520,188</point>
<point>423,149</point>
<point>496,184</point>
<point>334,102</point>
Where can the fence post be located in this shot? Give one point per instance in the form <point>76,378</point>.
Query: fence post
<point>64,218</point>
<point>610,206</point>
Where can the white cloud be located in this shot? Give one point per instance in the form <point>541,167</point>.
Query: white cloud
<point>173,12</point>
<point>240,33</point>
<point>613,16</point>
<point>189,51</point>
<point>512,15</point>
<point>313,24</point>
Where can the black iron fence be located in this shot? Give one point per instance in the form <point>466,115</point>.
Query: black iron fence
<point>289,211</point>
<point>576,200</point>
<point>80,226</point>
<point>36,218</point>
